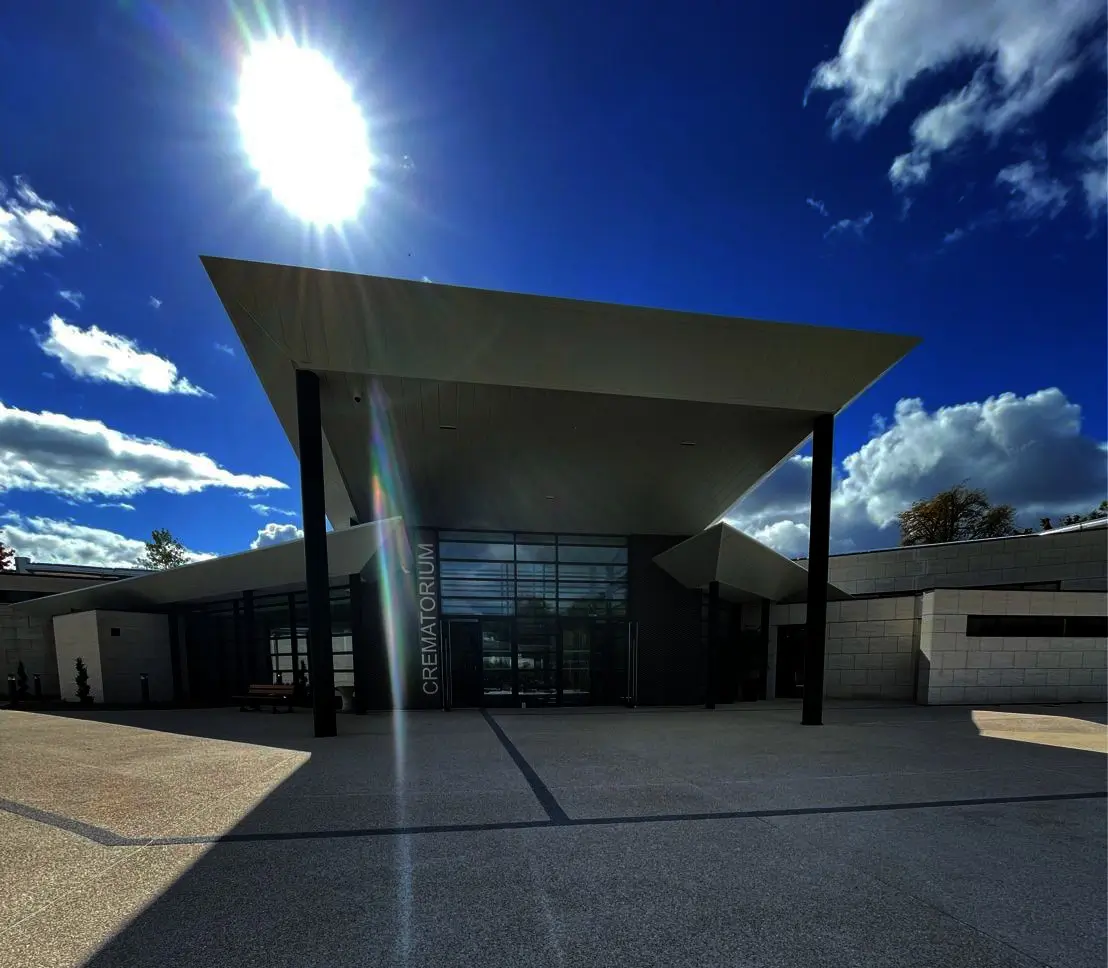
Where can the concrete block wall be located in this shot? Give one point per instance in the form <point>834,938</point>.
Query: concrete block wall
<point>31,641</point>
<point>1078,559</point>
<point>870,649</point>
<point>957,668</point>
<point>142,646</point>
<point>115,662</point>
<point>76,636</point>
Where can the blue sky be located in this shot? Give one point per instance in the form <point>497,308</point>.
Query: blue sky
<point>935,169</point>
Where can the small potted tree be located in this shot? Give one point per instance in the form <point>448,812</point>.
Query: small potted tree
<point>84,696</point>
<point>21,693</point>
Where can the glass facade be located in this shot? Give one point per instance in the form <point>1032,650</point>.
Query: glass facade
<point>524,619</point>
<point>551,615</point>
<point>539,575</point>
<point>263,638</point>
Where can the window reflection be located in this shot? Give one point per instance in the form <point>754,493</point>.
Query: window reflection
<point>533,575</point>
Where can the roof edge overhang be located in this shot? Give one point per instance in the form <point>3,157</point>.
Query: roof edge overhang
<point>746,569</point>
<point>349,551</point>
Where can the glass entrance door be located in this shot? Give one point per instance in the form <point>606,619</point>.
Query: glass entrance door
<point>497,667</point>
<point>537,662</point>
<point>575,681</point>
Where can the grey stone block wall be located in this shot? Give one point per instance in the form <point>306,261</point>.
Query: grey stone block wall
<point>957,668</point>
<point>32,641</point>
<point>1078,559</point>
<point>870,649</point>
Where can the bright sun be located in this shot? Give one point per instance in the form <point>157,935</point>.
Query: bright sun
<point>303,132</point>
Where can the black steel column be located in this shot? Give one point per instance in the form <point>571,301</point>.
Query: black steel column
<point>819,540</point>
<point>359,643</point>
<point>713,646</point>
<point>314,515</point>
<point>763,639</point>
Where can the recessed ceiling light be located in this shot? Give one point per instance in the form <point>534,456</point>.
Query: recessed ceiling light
<point>550,497</point>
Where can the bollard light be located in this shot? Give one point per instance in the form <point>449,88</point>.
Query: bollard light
<point>38,686</point>
<point>13,690</point>
<point>144,682</point>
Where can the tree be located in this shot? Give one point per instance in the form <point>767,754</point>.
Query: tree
<point>7,557</point>
<point>957,514</point>
<point>163,551</point>
<point>82,682</point>
<point>1100,511</point>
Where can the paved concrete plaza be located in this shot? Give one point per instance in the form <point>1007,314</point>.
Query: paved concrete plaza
<point>891,836</point>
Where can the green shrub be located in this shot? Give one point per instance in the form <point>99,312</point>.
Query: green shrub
<point>83,691</point>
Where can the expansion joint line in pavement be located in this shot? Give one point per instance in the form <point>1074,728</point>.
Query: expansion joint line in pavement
<point>108,838</point>
<point>542,792</point>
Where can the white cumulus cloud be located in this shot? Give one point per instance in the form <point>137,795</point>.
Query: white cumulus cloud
<point>83,459</point>
<point>54,541</point>
<point>29,224</point>
<point>93,354</point>
<point>1024,51</point>
<point>274,533</point>
<point>1025,451</point>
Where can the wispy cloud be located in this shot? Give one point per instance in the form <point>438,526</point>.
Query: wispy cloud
<point>956,236</point>
<point>102,357</point>
<point>817,205</point>
<point>122,505</point>
<point>154,302</point>
<point>425,279</point>
<point>857,226</point>
<point>266,510</point>
<point>29,224</point>
<point>1093,155</point>
<point>1033,193</point>
<point>72,296</point>
<point>224,348</point>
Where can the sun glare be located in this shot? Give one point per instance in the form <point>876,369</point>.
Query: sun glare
<point>303,132</point>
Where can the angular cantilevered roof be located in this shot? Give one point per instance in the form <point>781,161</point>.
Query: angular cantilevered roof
<point>504,411</point>
<point>279,566</point>
<point>746,569</point>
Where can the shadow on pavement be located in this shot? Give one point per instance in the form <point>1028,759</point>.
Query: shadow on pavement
<point>518,890</point>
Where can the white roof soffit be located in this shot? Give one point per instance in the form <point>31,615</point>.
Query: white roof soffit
<point>348,552</point>
<point>746,569</point>
<point>519,412</point>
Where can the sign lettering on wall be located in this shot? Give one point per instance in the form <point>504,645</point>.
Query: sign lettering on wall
<point>426,687</point>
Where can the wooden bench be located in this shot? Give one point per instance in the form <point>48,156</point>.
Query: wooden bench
<point>266,694</point>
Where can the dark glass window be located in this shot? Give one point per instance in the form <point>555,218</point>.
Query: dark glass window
<point>480,551</point>
<point>598,554</point>
<point>1087,626</point>
<point>1037,626</point>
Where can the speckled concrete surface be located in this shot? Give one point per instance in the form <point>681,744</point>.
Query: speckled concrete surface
<point>1000,884</point>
